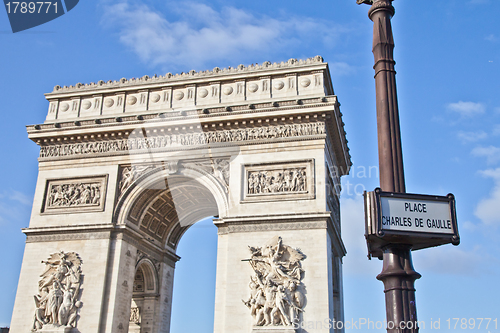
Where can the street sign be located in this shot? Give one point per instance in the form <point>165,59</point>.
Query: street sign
<point>416,215</point>
<point>417,220</point>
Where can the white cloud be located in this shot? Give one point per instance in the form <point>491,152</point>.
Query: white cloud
<point>491,153</point>
<point>487,209</point>
<point>468,225</point>
<point>450,260</point>
<point>491,38</point>
<point>21,198</point>
<point>496,130</point>
<point>341,68</point>
<point>472,136</point>
<point>12,213</point>
<point>203,34</point>
<point>466,109</point>
<point>13,206</point>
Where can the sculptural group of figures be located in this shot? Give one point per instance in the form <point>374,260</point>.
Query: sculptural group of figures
<point>289,180</point>
<point>67,195</point>
<point>183,139</point>
<point>57,303</point>
<point>275,289</point>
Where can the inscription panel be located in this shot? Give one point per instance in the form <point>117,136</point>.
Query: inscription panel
<point>75,195</point>
<point>287,180</point>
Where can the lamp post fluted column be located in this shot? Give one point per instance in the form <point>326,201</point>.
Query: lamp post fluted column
<point>389,137</point>
<point>398,274</point>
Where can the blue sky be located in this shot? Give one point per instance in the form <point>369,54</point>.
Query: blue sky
<point>448,63</point>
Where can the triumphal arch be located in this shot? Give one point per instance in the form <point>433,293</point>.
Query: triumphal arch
<point>126,167</point>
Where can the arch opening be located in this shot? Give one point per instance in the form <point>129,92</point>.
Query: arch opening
<point>193,302</point>
<point>161,209</point>
<point>144,297</point>
<point>162,206</point>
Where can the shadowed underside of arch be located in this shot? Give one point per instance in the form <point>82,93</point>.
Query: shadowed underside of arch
<point>168,207</point>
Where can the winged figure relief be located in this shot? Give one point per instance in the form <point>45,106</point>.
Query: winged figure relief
<point>57,302</point>
<point>276,296</point>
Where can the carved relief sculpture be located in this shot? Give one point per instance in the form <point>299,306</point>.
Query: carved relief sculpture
<point>183,139</point>
<point>68,195</point>
<point>221,171</point>
<point>131,173</point>
<point>279,180</point>
<point>276,298</point>
<point>275,181</point>
<point>217,167</point>
<point>57,303</point>
<point>75,194</point>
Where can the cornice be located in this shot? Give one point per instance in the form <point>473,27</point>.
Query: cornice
<point>186,78</point>
<point>302,217</point>
<point>176,118</point>
<point>190,93</point>
<point>99,231</point>
<point>111,119</point>
<point>264,115</point>
<point>69,228</point>
<point>306,221</point>
<point>257,223</point>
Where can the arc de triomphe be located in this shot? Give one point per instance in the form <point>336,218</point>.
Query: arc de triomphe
<point>127,166</point>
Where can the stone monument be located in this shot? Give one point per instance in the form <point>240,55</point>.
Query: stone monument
<point>126,167</point>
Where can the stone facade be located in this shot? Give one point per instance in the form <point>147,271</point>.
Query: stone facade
<point>126,167</point>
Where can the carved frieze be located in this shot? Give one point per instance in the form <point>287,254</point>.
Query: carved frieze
<point>59,290</point>
<point>131,173</point>
<point>279,181</point>
<point>276,288</point>
<point>58,237</point>
<point>217,167</point>
<point>75,195</point>
<point>179,140</point>
<point>251,227</point>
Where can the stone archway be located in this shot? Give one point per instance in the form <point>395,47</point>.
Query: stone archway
<point>127,166</point>
<point>145,297</point>
<point>171,199</point>
<point>160,205</point>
